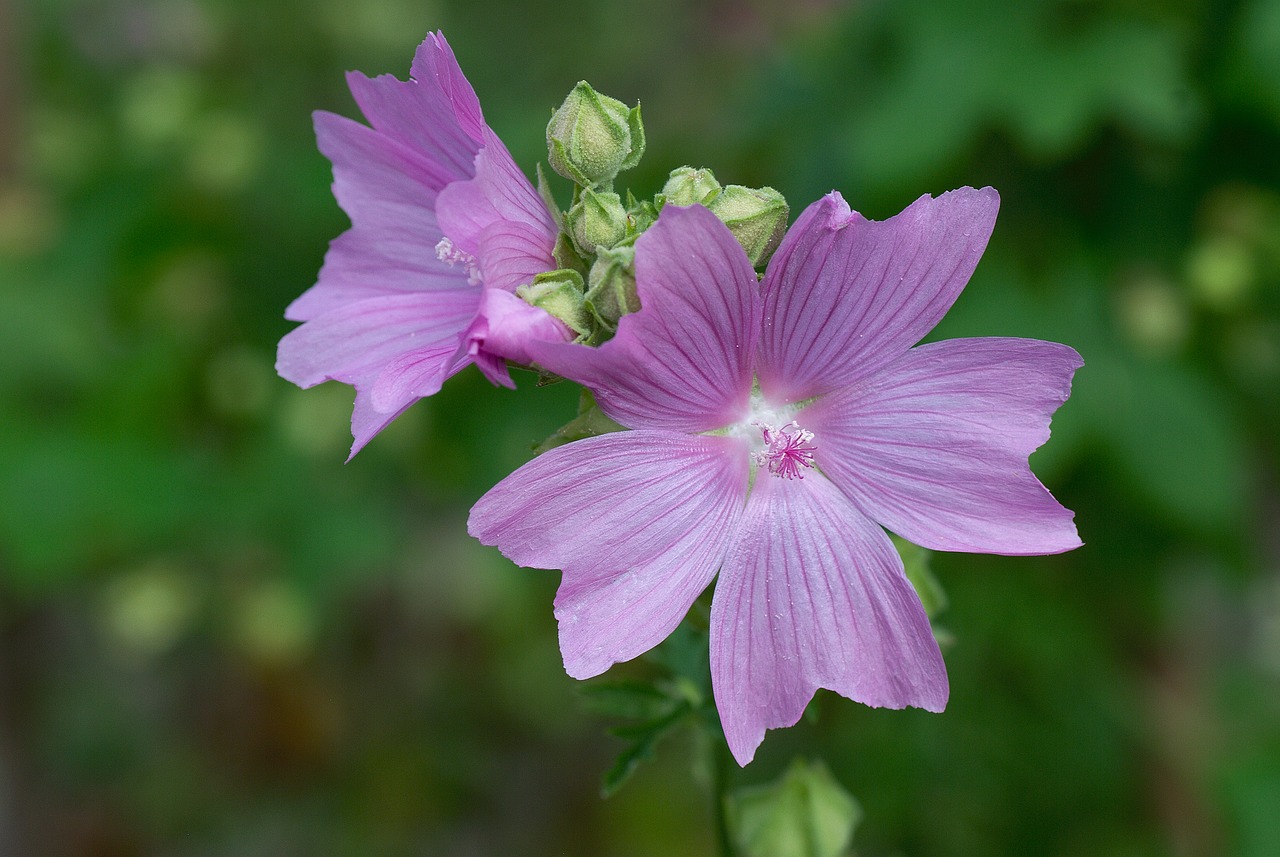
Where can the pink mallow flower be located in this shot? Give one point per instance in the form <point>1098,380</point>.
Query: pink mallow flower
<point>775,429</point>
<point>444,227</point>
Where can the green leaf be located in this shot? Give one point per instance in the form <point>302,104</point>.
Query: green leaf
<point>805,813</point>
<point>644,738</point>
<point>626,699</point>
<point>915,560</point>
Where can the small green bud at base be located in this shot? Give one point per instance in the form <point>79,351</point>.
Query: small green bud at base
<point>598,220</point>
<point>559,293</point>
<point>592,137</point>
<point>611,290</point>
<point>757,217</point>
<point>689,186</point>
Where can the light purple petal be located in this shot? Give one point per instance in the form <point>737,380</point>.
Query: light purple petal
<point>503,329</point>
<point>684,361</point>
<point>639,522</point>
<point>499,212</point>
<point>812,594</point>
<point>367,421</point>
<point>844,296</point>
<point>388,191</point>
<point>436,114</point>
<point>935,446</point>
<point>434,64</point>
<point>394,350</point>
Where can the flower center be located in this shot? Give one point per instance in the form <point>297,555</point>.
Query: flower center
<point>787,450</point>
<point>451,254</point>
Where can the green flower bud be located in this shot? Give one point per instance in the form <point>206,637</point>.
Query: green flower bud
<point>689,186</point>
<point>757,217</point>
<point>598,220</point>
<point>592,137</point>
<point>611,289</point>
<point>560,294</point>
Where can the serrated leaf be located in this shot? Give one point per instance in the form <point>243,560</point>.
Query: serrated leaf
<point>645,738</point>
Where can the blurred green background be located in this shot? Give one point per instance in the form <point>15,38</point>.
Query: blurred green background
<point>218,639</point>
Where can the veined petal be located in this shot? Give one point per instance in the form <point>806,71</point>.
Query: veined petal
<point>935,446</point>
<point>812,594</point>
<point>639,521</point>
<point>844,296</point>
<point>394,350</point>
<point>499,208</point>
<point>503,329</point>
<point>684,361</point>
<point>389,192</point>
<point>435,64</point>
<point>436,114</point>
<point>347,344</point>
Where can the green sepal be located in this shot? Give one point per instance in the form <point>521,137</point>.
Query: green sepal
<point>589,422</point>
<point>560,294</point>
<point>549,198</point>
<point>689,186</point>
<point>916,563</point>
<point>636,127</point>
<point>611,286</point>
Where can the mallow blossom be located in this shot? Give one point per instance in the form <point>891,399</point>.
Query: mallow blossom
<point>444,227</point>
<point>775,429</point>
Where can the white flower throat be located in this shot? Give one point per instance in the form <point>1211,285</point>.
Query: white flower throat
<point>778,443</point>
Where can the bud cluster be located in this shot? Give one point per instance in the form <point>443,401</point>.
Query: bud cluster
<point>590,139</point>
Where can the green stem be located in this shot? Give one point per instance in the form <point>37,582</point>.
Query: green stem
<point>720,768</point>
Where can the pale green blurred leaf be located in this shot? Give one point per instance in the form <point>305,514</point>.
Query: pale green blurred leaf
<point>805,813</point>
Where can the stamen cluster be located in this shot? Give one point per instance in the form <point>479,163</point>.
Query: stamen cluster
<point>786,450</point>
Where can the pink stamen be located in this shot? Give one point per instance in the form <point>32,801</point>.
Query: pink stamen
<point>786,451</point>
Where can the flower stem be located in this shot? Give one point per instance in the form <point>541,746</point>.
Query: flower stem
<point>720,768</point>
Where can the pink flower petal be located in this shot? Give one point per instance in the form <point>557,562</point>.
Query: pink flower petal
<point>812,594</point>
<point>434,63</point>
<point>935,446</point>
<point>388,191</point>
<point>844,296</point>
<point>394,350</point>
<point>639,521</point>
<point>503,329</point>
<point>499,210</point>
<point>684,361</point>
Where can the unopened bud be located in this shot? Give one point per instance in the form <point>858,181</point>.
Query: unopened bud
<point>591,137</point>
<point>757,217</point>
<point>598,220</point>
<point>560,294</point>
<point>690,186</point>
<point>643,214</point>
<point>611,289</point>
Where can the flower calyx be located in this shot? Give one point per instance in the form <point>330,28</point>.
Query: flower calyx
<point>597,221</point>
<point>560,294</point>
<point>757,217</point>
<point>611,285</point>
<point>591,137</point>
<point>690,186</point>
